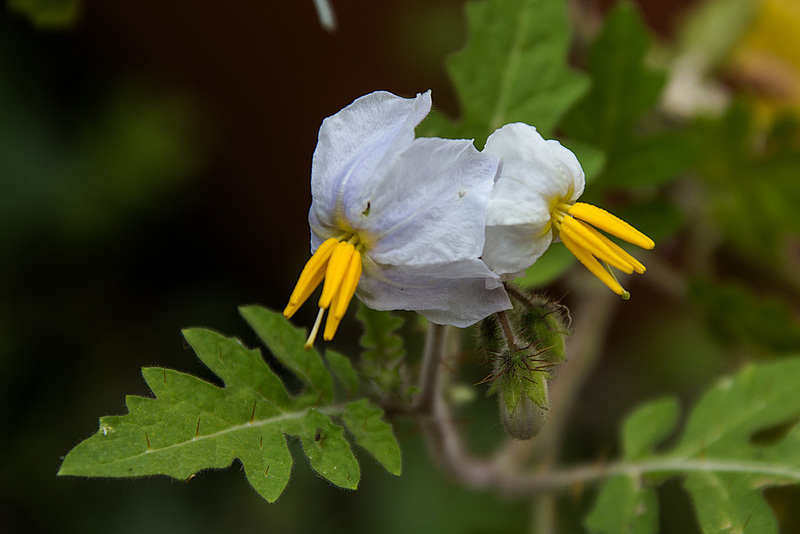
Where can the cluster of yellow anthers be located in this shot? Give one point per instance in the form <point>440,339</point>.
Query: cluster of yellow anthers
<point>338,262</point>
<point>574,226</point>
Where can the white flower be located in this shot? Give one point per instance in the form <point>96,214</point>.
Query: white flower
<point>397,220</point>
<point>534,203</point>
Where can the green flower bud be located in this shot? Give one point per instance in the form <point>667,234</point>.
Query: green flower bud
<point>520,381</point>
<point>526,420</point>
<point>545,324</point>
<point>524,346</point>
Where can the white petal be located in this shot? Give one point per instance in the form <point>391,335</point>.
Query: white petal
<point>445,295</point>
<point>431,205</point>
<point>511,249</point>
<point>544,166</point>
<point>534,176</point>
<point>353,145</point>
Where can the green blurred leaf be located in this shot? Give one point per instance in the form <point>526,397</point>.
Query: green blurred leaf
<point>727,461</point>
<point>623,92</point>
<point>383,350</point>
<point>548,268</point>
<point>591,158</point>
<point>623,505</point>
<point>379,340</point>
<point>192,425</point>
<point>623,89</point>
<point>48,14</point>
<point>648,426</point>
<point>753,190</point>
<point>660,217</point>
<point>741,317</point>
<point>513,68</point>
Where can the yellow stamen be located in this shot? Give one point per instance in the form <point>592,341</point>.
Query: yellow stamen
<point>594,242</point>
<point>343,297</point>
<point>337,267</point>
<point>610,223</point>
<point>338,262</point>
<point>591,263</point>
<point>573,225</point>
<point>311,277</point>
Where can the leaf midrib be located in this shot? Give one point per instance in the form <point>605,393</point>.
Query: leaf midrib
<point>332,410</point>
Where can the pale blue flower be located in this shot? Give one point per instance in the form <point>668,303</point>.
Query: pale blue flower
<point>409,212</point>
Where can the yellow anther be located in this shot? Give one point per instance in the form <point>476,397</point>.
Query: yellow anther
<point>311,277</point>
<point>337,268</point>
<point>610,223</point>
<point>338,262</point>
<point>594,266</point>
<point>343,297</point>
<point>594,242</point>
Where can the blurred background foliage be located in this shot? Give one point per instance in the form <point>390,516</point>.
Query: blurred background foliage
<point>154,170</point>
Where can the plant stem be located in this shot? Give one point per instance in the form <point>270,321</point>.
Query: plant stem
<point>508,332</point>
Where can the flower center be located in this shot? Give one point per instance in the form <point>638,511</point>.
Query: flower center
<point>338,262</point>
<point>575,223</point>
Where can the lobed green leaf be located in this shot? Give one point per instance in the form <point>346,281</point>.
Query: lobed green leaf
<point>624,91</point>
<point>379,340</point>
<point>286,344</point>
<point>364,421</point>
<point>741,438</point>
<point>512,68</point>
<point>193,425</point>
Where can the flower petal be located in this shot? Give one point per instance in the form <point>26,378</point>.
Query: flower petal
<point>450,294</point>
<point>544,166</point>
<point>431,206</point>
<point>535,175</point>
<point>512,249</point>
<point>353,145</point>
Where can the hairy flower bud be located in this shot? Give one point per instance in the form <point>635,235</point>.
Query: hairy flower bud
<point>525,346</point>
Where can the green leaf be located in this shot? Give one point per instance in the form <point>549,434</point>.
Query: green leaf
<point>343,370</point>
<point>624,506</point>
<point>591,158</point>
<point>364,421</point>
<point>729,503</point>
<point>741,438</point>
<point>622,88</point>
<point>551,265</point>
<point>741,317</point>
<point>286,344</point>
<point>624,91</point>
<point>193,425</point>
<point>648,426</point>
<point>752,187</point>
<point>379,341</point>
<point>513,68</point>
<point>48,14</point>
